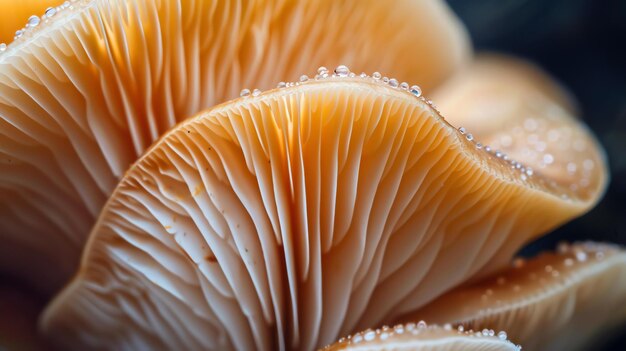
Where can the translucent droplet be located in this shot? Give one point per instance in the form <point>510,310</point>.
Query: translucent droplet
<point>33,21</point>
<point>256,92</point>
<point>479,146</point>
<point>352,75</point>
<point>416,90</point>
<point>447,326</point>
<point>529,172</point>
<point>322,70</point>
<point>304,78</point>
<point>470,137</point>
<point>422,324</point>
<point>19,33</point>
<point>581,256</point>
<point>342,71</point>
<point>485,332</point>
<point>369,336</point>
<point>281,85</point>
<point>462,130</point>
<point>548,159</point>
<point>404,86</point>
<point>50,11</point>
<point>376,75</point>
<point>244,92</point>
<point>385,80</point>
<point>357,339</point>
<point>502,335</point>
<point>3,47</point>
<point>363,75</point>
<point>569,262</point>
<point>393,83</point>
<point>460,328</point>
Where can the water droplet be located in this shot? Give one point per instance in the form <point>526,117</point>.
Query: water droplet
<point>488,148</point>
<point>479,146</point>
<point>352,75</point>
<point>462,130</point>
<point>357,339</point>
<point>502,335</point>
<point>581,256</point>
<point>422,324</point>
<point>304,78</point>
<point>393,83</point>
<point>416,90</point>
<point>19,33</point>
<point>322,70</point>
<point>569,262</point>
<point>469,137</point>
<point>499,154</point>
<point>33,21</point>
<point>50,11</point>
<point>256,92</point>
<point>363,75</point>
<point>447,326</point>
<point>385,80</point>
<point>281,85</point>
<point>244,92</point>
<point>369,336</point>
<point>3,47</point>
<point>460,328</point>
<point>384,336</point>
<point>529,171</point>
<point>342,71</point>
<point>376,75</point>
<point>485,332</point>
<point>404,86</point>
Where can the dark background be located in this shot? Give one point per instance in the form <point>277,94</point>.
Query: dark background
<point>583,44</point>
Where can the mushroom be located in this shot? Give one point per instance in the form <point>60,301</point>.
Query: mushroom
<point>288,218</point>
<point>422,337</point>
<point>87,89</point>
<point>557,301</point>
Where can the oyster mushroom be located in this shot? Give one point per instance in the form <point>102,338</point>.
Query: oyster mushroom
<point>420,337</point>
<point>557,301</point>
<point>86,91</point>
<point>286,219</point>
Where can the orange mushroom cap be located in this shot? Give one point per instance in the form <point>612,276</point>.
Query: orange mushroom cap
<point>288,218</point>
<point>88,89</point>
<point>557,301</point>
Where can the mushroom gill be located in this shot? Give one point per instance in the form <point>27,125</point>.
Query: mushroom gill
<point>286,219</point>
<point>92,85</point>
<point>420,337</point>
<point>557,301</point>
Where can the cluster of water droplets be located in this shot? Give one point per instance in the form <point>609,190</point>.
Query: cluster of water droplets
<point>342,71</point>
<point>34,21</point>
<point>525,171</point>
<point>384,333</point>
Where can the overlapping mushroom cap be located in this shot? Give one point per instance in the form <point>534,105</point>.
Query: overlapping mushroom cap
<point>287,219</point>
<point>85,90</point>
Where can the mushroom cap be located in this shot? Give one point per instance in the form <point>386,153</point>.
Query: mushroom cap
<point>513,106</point>
<point>557,301</point>
<point>286,219</point>
<point>419,337</point>
<point>85,92</point>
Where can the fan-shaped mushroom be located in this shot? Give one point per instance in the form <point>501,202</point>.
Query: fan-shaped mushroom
<point>88,89</point>
<point>553,302</point>
<point>285,219</point>
<point>420,337</point>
